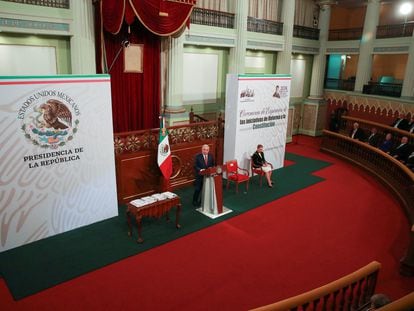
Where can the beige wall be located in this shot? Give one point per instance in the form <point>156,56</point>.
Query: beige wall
<point>389,65</point>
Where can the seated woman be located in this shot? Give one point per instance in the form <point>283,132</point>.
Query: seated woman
<point>387,144</point>
<point>259,161</point>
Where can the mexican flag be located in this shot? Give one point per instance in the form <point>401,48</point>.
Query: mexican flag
<point>164,152</point>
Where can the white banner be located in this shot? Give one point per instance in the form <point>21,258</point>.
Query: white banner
<point>56,156</point>
<point>256,113</point>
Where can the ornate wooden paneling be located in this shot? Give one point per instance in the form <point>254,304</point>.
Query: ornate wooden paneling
<point>136,157</point>
<point>382,110</point>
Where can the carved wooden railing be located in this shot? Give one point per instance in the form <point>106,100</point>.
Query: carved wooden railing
<point>347,293</point>
<point>390,172</point>
<point>366,126</point>
<point>264,26</point>
<point>404,303</point>
<point>345,34</point>
<point>137,171</point>
<point>212,18</point>
<point>305,32</point>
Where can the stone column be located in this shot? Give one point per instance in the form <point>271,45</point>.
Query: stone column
<point>173,101</point>
<point>313,114</point>
<point>408,84</point>
<point>319,60</point>
<point>238,53</point>
<point>288,18</point>
<point>82,43</point>
<point>364,69</point>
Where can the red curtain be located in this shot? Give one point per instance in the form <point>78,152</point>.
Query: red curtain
<point>135,96</point>
<point>161,17</point>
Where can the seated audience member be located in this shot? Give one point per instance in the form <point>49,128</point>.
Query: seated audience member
<point>401,123</point>
<point>402,151</point>
<point>387,144</point>
<point>259,161</point>
<point>378,301</point>
<point>374,137</point>
<point>357,133</point>
<point>411,125</point>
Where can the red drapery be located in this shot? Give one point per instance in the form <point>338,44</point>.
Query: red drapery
<point>136,97</point>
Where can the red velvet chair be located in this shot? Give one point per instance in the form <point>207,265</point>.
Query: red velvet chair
<point>258,171</point>
<point>236,174</point>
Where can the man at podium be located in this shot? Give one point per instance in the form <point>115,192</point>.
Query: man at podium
<point>203,161</point>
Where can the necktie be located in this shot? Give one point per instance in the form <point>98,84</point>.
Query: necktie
<point>205,159</point>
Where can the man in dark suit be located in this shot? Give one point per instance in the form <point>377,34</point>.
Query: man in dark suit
<point>402,151</point>
<point>374,137</point>
<point>203,161</point>
<point>357,133</point>
<point>401,123</point>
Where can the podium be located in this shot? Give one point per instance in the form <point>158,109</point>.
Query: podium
<point>212,193</point>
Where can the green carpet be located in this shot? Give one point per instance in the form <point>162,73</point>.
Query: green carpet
<point>42,264</point>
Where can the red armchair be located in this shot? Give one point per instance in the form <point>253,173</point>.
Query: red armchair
<point>236,174</point>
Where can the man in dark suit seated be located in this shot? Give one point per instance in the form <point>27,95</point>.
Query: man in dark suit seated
<point>402,151</point>
<point>203,161</point>
<point>357,133</point>
<point>401,123</point>
<point>374,137</point>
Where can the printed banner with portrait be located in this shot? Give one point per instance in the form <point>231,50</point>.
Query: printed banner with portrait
<point>256,113</point>
<point>56,157</point>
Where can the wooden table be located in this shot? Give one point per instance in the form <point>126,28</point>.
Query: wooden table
<point>156,209</point>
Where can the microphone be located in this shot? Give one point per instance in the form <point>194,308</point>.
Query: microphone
<point>124,44</point>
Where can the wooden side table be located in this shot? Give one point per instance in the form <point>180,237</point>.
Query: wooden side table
<point>156,209</point>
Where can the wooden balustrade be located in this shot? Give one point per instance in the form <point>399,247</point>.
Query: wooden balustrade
<point>366,126</point>
<point>402,304</point>
<point>347,293</point>
<point>390,172</point>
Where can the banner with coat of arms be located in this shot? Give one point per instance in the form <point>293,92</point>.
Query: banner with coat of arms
<point>56,157</point>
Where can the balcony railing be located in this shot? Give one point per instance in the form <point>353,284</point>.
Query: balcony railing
<point>61,4</point>
<point>264,26</point>
<point>338,84</point>
<point>383,89</point>
<point>394,31</point>
<point>345,34</point>
<point>305,32</point>
<point>212,18</point>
